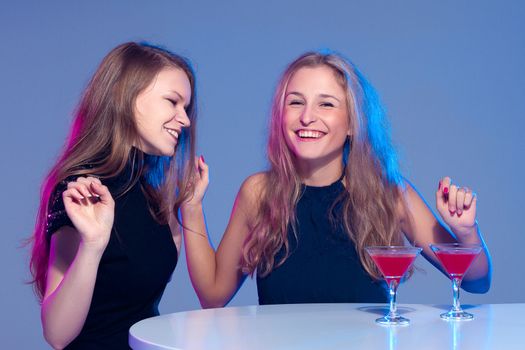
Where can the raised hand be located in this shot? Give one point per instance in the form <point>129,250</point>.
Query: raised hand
<point>201,180</point>
<point>91,208</point>
<point>457,207</point>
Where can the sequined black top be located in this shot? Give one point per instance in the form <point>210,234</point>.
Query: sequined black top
<point>134,269</point>
<point>323,265</point>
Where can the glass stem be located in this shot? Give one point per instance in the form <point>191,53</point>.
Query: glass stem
<point>456,283</point>
<point>392,290</point>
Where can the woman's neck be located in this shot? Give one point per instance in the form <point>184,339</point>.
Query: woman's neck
<point>320,172</point>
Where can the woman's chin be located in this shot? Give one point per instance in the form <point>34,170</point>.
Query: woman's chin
<point>164,152</point>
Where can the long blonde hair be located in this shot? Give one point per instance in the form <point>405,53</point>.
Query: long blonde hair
<point>103,134</point>
<point>372,179</point>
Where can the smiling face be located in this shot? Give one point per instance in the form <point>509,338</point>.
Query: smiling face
<point>315,116</point>
<point>160,112</point>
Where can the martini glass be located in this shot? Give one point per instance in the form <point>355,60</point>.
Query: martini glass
<point>393,262</point>
<point>456,259</point>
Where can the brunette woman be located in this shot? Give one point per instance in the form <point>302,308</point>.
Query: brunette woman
<point>107,239</point>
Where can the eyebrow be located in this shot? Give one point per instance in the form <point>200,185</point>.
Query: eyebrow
<point>294,93</point>
<point>329,96</point>
<point>320,95</point>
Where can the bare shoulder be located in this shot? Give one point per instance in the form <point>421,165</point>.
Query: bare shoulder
<point>257,179</point>
<point>252,187</point>
<point>250,193</point>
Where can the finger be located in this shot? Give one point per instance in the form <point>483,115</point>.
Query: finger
<point>460,201</point>
<point>94,179</point>
<point>102,192</point>
<point>72,195</point>
<point>473,202</point>
<point>197,165</point>
<point>87,181</point>
<point>81,187</point>
<point>469,196</point>
<point>452,198</point>
<point>445,187</point>
<point>203,168</point>
<point>91,180</point>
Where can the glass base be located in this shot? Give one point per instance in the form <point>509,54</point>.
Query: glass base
<point>393,321</point>
<point>457,316</point>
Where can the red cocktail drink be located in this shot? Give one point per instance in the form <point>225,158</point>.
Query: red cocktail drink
<point>393,266</point>
<point>456,259</point>
<point>393,262</point>
<point>456,263</point>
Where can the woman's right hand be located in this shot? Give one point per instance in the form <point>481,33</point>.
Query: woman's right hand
<point>91,209</point>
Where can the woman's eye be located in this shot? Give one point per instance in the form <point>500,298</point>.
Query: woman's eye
<point>173,102</point>
<point>327,104</point>
<point>295,103</point>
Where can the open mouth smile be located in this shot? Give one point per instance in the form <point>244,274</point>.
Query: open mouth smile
<point>173,133</point>
<point>309,135</point>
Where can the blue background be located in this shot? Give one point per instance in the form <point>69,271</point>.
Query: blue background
<point>451,74</point>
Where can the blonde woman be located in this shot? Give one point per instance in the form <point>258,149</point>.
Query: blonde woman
<point>106,239</point>
<point>333,187</point>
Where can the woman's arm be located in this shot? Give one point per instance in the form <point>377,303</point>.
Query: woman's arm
<point>70,282</point>
<point>216,276</point>
<point>74,258</point>
<point>458,211</point>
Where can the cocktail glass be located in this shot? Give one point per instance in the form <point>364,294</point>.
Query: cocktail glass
<point>456,259</point>
<point>393,262</point>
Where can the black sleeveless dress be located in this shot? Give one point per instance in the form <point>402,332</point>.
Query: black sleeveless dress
<point>136,266</point>
<point>323,266</point>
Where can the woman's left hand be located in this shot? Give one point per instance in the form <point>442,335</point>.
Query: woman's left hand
<point>201,180</point>
<point>457,207</point>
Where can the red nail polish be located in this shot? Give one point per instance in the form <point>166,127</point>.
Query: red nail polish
<point>202,158</point>
<point>445,190</point>
<point>439,186</point>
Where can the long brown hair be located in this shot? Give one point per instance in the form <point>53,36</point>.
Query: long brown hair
<point>371,175</point>
<point>103,134</point>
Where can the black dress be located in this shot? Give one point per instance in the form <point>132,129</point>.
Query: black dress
<point>323,266</point>
<point>136,266</point>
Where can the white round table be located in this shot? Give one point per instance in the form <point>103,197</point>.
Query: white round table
<point>330,326</point>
